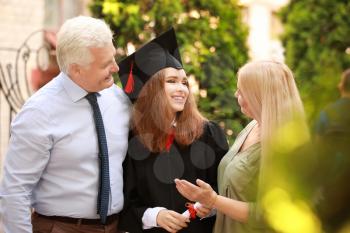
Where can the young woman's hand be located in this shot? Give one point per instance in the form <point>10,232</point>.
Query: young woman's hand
<point>171,221</point>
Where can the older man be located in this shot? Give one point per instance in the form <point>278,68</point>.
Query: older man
<point>69,141</point>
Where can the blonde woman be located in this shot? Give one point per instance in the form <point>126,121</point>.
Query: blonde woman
<point>267,93</point>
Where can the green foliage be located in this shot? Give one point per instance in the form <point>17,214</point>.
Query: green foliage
<point>316,38</point>
<point>212,40</point>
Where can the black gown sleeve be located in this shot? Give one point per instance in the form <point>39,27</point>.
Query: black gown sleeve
<point>131,216</point>
<point>218,142</point>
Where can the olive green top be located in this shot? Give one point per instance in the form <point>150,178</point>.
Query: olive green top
<point>238,179</point>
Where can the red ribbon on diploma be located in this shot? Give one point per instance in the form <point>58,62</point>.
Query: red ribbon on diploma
<point>191,209</point>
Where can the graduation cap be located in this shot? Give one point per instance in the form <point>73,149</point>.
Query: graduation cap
<point>136,69</point>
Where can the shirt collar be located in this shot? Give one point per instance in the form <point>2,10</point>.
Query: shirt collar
<point>74,91</point>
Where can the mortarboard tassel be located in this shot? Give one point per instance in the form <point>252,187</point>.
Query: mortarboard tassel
<point>130,83</point>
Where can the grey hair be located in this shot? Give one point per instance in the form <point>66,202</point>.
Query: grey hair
<point>75,38</point>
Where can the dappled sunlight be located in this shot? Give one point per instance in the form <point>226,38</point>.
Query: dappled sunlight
<point>289,137</point>
<point>345,229</point>
<point>287,215</point>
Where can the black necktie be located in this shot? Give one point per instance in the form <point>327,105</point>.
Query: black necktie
<point>103,194</point>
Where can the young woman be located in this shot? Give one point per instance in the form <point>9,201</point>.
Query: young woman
<point>267,93</point>
<point>169,139</point>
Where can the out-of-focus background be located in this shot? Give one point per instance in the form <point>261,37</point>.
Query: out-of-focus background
<point>216,38</point>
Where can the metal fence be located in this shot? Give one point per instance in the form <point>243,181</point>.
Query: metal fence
<point>18,67</point>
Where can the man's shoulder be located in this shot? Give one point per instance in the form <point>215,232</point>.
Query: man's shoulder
<point>117,93</point>
<point>339,104</point>
<point>45,96</point>
<point>336,110</point>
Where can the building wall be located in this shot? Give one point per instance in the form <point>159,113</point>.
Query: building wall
<point>18,19</point>
<point>264,28</point>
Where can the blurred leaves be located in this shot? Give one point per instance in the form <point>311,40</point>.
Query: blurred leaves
<point>212,43</point>
<point>317,34</point>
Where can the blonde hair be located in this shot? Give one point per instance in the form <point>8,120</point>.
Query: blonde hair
<point>270,91</point>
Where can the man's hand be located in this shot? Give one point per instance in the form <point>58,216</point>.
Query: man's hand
<point>171,220</point>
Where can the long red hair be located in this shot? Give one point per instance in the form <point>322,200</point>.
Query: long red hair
<point>152,117</point>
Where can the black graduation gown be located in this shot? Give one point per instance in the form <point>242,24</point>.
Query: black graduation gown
<point>149,178</point>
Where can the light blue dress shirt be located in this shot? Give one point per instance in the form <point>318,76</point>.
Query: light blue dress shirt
<point>52,162</point>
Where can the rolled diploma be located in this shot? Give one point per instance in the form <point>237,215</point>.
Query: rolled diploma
<point>187,213</point>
